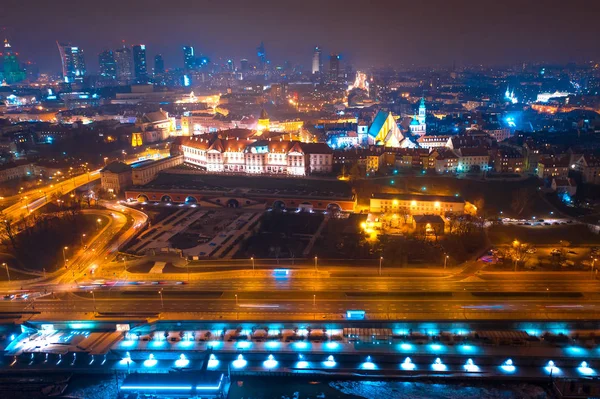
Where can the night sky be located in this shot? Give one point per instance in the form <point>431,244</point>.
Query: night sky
<point>366,33</point>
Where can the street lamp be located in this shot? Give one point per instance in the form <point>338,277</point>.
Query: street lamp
<point>314,299</point>
<point>7,272</point>
<point>94,297</point>
<point>82,237</point>
<point>380,260</point>
<point>162,303</point>
<point>445,261</point>
<point>252,259</point>
<point>315,263</point>
<point>593,265</point>
<point>65,256</point>
<point>236,300</point>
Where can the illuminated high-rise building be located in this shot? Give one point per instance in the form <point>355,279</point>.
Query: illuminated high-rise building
<point>244,67</point>
<point>12,71</point>
<point>139,63</point>
<point>230,66</point>
<point>73,62</point>
<point>262,56</point>
<point>159,64</point>
<point>124,63</point>
<point>108,66</point>
<point>317,64</point>
<point>189,60</point>
<point>334,66</point>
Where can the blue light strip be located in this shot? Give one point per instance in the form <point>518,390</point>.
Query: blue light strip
<point>210,387</point>
<point>157,387</point>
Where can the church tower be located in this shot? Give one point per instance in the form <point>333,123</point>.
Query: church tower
<point>263,122</point>
<point>422,112</point>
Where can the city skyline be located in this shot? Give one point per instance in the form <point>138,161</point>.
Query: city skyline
<point>404,34</point>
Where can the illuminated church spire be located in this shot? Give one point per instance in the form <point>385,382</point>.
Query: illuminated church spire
<point>422,112</point>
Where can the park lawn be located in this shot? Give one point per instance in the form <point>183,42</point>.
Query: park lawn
<point>576,234</point>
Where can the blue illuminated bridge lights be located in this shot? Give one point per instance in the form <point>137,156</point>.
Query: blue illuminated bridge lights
<point>438,365</point>
<point>213,363</point>
<point>407,364</point>
<point>240,362</point>
<point>508,366</point>
<point>270,363</point>
<point>406,347</point>
<point>330,362</point>
<point>182,361</point>
<point>150,362</point>
<point>585,369</point>
<point>301,363</point>
<point>551,368</point>
<point>471,367</point>
<point>126,360</point>
<point>368,364</point>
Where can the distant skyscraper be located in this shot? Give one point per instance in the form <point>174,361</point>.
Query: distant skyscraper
<point>230,66</point>
<point>262,55</point>
<point>73,63</point>
<point>159,64</point>
<point>244,67</point>
<point>139,63</point>
<point>316,60</point>
<point>124,63</point>
<point>189,60</point>
<point>334,66</point>
<point>13,73</point>
<point>108,66</point>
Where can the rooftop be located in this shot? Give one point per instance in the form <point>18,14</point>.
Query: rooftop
<point>116,167</point>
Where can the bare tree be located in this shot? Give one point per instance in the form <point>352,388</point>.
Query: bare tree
<point>9,232</point>
<point>520,200</point>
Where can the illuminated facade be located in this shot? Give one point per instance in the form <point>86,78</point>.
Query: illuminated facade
<point>418,125</point>
<point>124,61</point>
<point>317,63</point>
<point>263,122</point>
<point>385,131</point>
<point>108,66</point>
<point>545,97</point>
<point>553,167</point>
<point>73,62</point>
<point>12,71</point>
<point>257,157</point>
<point>139,62</point>
<point>509,96</point>
<point>409,204</point>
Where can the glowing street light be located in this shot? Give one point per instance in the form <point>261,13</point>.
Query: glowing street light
<point>252,259</point>
<point>380,261</point>
<point>82,237</point>
<point>94,297</point>
<point>7,272</point>
<point>162,303</point>
<point>64,255</point>
<point>446,261</point>
<point>316,264</point>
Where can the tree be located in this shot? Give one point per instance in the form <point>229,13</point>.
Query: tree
<point>520,200</point>
<point>8,231</point>
<point>479,204</point>
<point>355,172</point>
